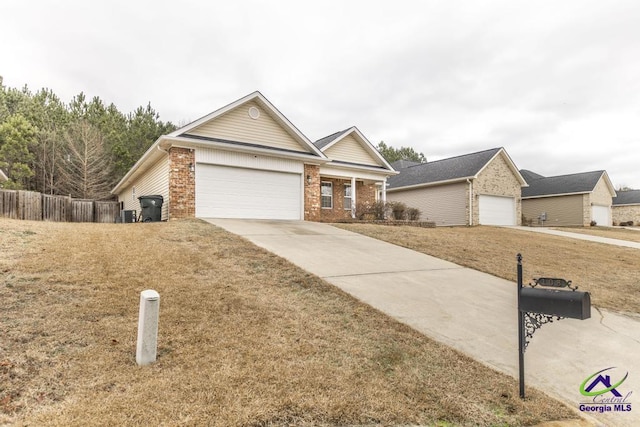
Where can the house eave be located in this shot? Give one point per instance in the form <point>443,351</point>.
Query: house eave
<point>430,184</point>
<point>555,195</point>
<point>187,142</point>
<point>148,159</point>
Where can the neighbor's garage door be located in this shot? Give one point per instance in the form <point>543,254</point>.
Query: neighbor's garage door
<point>229,192</point>
<point>600,215</point>
<point>495,210</point>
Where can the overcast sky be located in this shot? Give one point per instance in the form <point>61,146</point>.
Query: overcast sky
<point>557,83</point>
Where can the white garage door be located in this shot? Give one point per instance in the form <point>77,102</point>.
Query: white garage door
<point>495,210</point>
<point>600,215</point>
<point>229,192</point>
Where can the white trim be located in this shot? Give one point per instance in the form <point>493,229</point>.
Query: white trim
<point>556,195</point>
<point>430,184</point>
<point>264,102</point>
<point>510,163</point>
<point>354,191</point>
<point>322,195</point>
<point>366,144</point>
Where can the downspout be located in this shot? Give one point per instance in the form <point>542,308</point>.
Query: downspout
<point>470,201</point>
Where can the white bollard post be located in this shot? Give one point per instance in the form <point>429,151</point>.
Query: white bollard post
<point>148,327</point>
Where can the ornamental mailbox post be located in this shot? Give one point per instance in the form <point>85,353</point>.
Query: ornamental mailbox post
<point>539,306</point>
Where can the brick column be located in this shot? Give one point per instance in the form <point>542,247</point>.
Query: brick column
<point>311,193</point>
<point>182,183</point>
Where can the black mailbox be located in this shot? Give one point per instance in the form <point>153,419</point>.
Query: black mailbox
<point>571,304</point>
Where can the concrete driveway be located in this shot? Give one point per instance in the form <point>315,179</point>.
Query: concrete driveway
<point>471,311</point>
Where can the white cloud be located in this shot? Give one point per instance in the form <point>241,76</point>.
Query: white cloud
<point>555,83</point>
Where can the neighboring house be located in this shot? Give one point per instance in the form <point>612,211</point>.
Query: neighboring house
<point>3,178</point>
<point>247,160</point>
<point>626,207</point>
<point>575,199</point>
<point>478,188</point>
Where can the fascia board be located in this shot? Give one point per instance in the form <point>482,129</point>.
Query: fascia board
<point>364,142</point>
<point>555,195</point>
<point>152,153</point>
<point>264,102</point>
<point>430,184</point>
<point>184,142</point>
<point>510,163</point>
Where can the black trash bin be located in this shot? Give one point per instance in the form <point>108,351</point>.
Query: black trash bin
<point>151,208</point>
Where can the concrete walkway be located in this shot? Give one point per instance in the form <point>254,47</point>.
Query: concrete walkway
<point>471,311</point>
<point>580,236</point>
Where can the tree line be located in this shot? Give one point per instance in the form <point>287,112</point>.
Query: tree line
<point>81,148</point>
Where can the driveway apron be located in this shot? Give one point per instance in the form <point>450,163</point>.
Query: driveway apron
<point>471,311</point>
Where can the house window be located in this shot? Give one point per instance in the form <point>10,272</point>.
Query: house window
<point>347,196</point>
<point>326,193</point>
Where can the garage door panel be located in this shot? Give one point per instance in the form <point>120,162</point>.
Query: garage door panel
<point>496,210</point>
<point>228,192</point>
<point>600,214</point>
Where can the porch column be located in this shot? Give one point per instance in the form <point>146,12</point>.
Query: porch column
<point>384,190</point>
<point>353,197</point>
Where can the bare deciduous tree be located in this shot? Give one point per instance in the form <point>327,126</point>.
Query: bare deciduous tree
<point>85,165</point>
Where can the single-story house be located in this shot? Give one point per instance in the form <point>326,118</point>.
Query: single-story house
<point>626,207</point>
<point>568,200</point>
<point>247,160</point>
<point>477,188</point>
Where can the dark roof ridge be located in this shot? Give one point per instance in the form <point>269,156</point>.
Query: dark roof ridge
<point>456,157</point>
<point>320,143</point>
<point>575,173</point>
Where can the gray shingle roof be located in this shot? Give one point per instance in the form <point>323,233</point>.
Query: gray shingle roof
<point>404,163</point>
<point>460,167</point>
<point>323,142</point>
<point>583,182</point>
<point>628,197</point>
<point>529,175</point>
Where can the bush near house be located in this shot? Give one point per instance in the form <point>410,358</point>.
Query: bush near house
<point>381,211</point>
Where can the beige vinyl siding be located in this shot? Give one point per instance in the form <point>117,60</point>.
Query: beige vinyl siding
<point>153,181</point>
<point>236,125</point>
<point>561,210</point>
<point>445,204</point>
<point>350,150</point>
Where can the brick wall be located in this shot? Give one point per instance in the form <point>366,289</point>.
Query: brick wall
<point>499,180</point>
<point>312,193</point>
<point>182,183</point>
<point>364,193</point>
<point>625,214</point>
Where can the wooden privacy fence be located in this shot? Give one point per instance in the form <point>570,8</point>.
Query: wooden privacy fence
<point>31,205</point>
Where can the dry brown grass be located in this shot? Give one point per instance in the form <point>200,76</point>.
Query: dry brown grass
<point>610,273</point>
<point>612,233</point>
<point>245,338</point>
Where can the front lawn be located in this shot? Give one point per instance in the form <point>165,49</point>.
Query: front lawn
<point>246,339</point>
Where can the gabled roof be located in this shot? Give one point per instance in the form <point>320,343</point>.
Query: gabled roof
<point>404,163</point>
<point>529,175</point>
<point>323,142</point>
<point>3,177</point>
<point>182,138</point>
<point>627,197</point>
<point>453,169</point>
<point>577,183</point>
<point>265,104</point>
<point>334,139</point>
